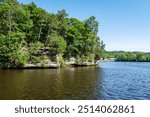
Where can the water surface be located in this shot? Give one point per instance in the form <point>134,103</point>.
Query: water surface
<point>110,80</point>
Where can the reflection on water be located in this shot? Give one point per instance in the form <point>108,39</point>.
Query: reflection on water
<point>111,80</point>
<point>64,83</point>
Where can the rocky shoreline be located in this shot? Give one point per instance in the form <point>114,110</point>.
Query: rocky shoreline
<point>50,65</point>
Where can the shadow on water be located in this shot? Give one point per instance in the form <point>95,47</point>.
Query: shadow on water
<point>65,83</point>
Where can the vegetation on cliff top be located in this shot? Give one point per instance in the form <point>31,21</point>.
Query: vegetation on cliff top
<point>29,34</point>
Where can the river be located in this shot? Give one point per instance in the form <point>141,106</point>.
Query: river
<point>108,81</point>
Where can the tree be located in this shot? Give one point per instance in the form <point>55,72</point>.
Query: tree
<point>90,35</point>
<point>57,44</point>
<point>91,24</point>
<point>74,37</point>
<point>13,49</point>
<point>27,32</point>
<point>52,26</point>
<point>62,27</point>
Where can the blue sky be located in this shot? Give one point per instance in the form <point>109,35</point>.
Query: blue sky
<point>124,24</point>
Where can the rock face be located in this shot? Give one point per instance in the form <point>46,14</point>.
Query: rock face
<point>72,61</point>
<point>56,65</point>
<point>50,65</point>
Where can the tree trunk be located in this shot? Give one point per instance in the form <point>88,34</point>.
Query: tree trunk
<point>40,33</point>
<point>48,33</point>
<point>10,20</point>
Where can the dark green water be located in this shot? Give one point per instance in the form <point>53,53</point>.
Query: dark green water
<point>108,81</point>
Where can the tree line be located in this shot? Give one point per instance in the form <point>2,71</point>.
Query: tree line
<point>128,56</point>
<point>29,34</point>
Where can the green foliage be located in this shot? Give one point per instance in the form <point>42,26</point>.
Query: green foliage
<point>27,33</point>
<point>129,56</point>
<point>81,59</point>
<point>12,49</point>
<point>56,43</point>
<point>40,59</point>
<point>91,58</point>
<point>23,57</point>
<point>34,47</point>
